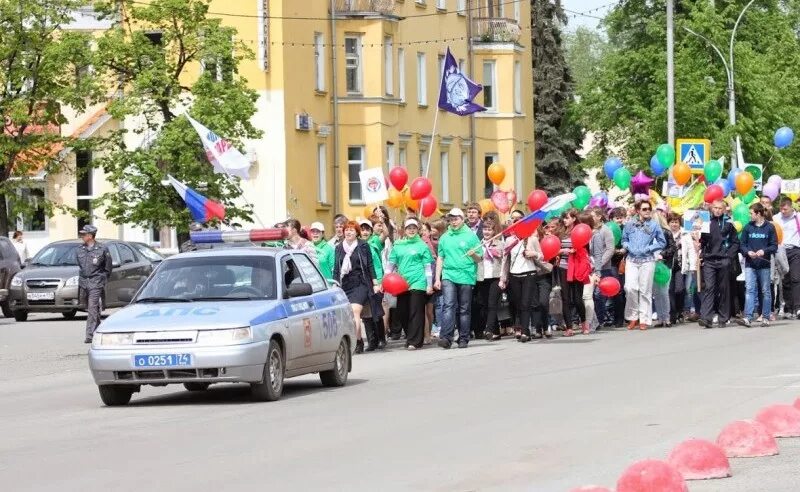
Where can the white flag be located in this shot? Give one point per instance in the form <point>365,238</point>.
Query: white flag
<point>373,185</point>
<point>739,154</point>
<point>223,156</point>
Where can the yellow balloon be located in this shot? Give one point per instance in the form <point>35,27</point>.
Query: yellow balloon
<point>410,202</point>
<point>738,226</point>
<point>486,206</point>
<point>395,198</point>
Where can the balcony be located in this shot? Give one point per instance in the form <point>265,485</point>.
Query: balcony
<point>495,30</point>
<point>363,7</point>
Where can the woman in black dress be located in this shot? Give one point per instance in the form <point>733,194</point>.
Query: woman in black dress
<point>353,269</point>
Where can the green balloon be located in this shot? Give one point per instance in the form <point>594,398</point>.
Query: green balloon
<point>666,155</point>
<point>741,213</point>
<point>662,274</point>
<point>616,231</point>
<point>622,178</point>
<point>748,198</point>
<point>712,170</point>
<point>582,197</point>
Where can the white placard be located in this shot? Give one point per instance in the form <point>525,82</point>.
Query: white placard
<point>373,185</point>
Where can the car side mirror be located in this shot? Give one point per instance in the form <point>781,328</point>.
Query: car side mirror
<point>115,264</point>
<point>126,295</point>
<point>25,263</point>
<point>299,290</point>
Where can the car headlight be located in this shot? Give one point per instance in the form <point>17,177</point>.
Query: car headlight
<point>111,339</point>
<point>72,281</point>
<point>224,337</point>
<point>16,281</point>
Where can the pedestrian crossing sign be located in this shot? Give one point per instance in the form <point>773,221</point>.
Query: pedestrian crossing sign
<point>694,152</point>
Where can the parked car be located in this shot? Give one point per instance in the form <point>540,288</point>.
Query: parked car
<point>9,266</point>
<point>49,281</point>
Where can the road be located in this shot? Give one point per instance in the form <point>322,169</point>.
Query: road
<point>543,416</point>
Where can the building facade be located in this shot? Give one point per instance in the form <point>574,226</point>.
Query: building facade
<point>347,85</point>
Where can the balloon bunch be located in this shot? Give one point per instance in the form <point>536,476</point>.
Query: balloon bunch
<point>501,200</point>
<point>416,197</point>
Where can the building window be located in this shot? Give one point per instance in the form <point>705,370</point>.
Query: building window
<point>388,65</point>
<point>518,177</point>
<point>353,68</point>
<point>423,161</point>
<point>319,62</point>
<point>219,68</point>
<point>441,4</point>
<point>444,158</point>
<point>401,157</point>
<point>84,184</point>
<point>389,156</point>
<point>322,170</point>
<point>461,65</point>
<point>465,177</point>
<point>355,164</point>
<point>518,87</point>
<point>488,186</point>
<point>489,99</point>
<point>462,7</point>
<point>517,13</point>
<point>422,82</point>
<point>401,73</point>
<point>26,207</point>
<point>440,64</point>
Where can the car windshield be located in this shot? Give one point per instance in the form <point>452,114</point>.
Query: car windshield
<point>211,278</point>
<point>147,252</point>
<point>62,254</point>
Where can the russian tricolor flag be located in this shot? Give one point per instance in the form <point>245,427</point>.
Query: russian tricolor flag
<point>526,226</point>
<point>201,208</point>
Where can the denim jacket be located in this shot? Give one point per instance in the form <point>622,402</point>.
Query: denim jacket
<point>641,239</point>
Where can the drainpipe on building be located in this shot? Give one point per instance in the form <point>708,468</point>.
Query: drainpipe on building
<point>334,91</point>
<point>470,57</point>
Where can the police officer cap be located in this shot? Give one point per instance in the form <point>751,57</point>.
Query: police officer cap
<point>88,229</point>
<point>195,226</point>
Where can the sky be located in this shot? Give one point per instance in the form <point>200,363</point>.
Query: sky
<point>583,6</point>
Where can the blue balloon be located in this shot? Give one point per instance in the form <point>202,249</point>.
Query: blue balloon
<point>732,178</point>
<point>656,166</point>
<point>725,185</point>
<point>611,165</point>
<point>783,137</point>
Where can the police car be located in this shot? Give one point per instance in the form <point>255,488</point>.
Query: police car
<point>243,315</point>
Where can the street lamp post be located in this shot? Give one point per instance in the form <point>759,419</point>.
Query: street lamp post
<point>729,72</point>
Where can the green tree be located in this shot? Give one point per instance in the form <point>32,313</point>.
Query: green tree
<point>43,69</point>
<point>153,53</point>
<point>557,134</point>
<point>624,103</point>
<point>584,50</point>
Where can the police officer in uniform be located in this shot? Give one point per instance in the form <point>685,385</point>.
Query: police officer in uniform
<point>188,245</point>
<point>94,262</point>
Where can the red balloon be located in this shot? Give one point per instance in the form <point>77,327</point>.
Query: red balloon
<point>420,188</point>
<point>609,286</point>
<point>536,200</point>
<point>551,246</point>
<point>503,200</point>
<point>581,235</point>
<point>428,206</point>
<point>713,192</point>
<point>394,284</point>
<point>398,177</point>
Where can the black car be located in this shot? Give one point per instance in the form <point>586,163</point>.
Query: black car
<point>49,281</point>
<point>9,266</point>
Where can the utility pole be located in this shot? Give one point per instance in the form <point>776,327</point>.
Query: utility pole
<point>670,73</point>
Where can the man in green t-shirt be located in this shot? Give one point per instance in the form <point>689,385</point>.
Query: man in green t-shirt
<point>325,253</point>
<point>459,252</point>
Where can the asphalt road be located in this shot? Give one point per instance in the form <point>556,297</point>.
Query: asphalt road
<point>546,416</point>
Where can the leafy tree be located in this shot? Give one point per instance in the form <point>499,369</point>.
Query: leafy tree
<point>43,70</point>
<point>557,134</point>
<point>584,49</point>
<point>625,101</point>
<point>155,53</point>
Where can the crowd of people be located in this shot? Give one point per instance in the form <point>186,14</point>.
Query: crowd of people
<point>466,280</point>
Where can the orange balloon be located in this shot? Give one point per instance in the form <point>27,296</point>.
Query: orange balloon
<point>368,211</point>
<point>682,173</point>
<point>778,232</point>
<point>744,183</point>
<point>496,173</point>
<point>486,206</point>
<point>410,202</point>
<point>395,198</point>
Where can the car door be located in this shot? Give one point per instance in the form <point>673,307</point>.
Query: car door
<point>138,267</point>
<point>326,321</point>
<point>116,279</point>
<point>303,329</point>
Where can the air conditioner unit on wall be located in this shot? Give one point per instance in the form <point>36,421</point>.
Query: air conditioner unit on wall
<point>303,122</point>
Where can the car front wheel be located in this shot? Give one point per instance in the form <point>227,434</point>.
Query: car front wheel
<point>341,364</point>
<point>7,312</point>
<point>70,314</point>
<point>115,395</point>
<point>21,315</point>
<point>196,386</point>
<point>271,386</point>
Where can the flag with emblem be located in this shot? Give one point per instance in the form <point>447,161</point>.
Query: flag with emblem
<point>457,91</point>
<point>225,158</point>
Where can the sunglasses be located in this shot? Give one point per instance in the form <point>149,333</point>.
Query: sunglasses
<point>645,209</point>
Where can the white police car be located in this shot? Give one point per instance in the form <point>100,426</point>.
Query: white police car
<point>244,315</point>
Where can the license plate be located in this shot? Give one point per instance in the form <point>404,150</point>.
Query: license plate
<point>41,296</point>
<point>162,360</point>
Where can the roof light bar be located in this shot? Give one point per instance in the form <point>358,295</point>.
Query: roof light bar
<point>254,235</point>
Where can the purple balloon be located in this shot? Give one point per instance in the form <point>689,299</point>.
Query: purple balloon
<point>599,200</point>
<point>641,183</point>
<point>775,179</point>
<point>771,189</point>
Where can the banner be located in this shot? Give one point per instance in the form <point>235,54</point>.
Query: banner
<point>373,185</point>
<point>457,91</point>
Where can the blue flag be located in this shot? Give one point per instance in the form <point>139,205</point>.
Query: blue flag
<point>457,91</point>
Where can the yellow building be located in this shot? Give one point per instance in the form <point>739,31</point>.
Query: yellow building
<point>346,85</point>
